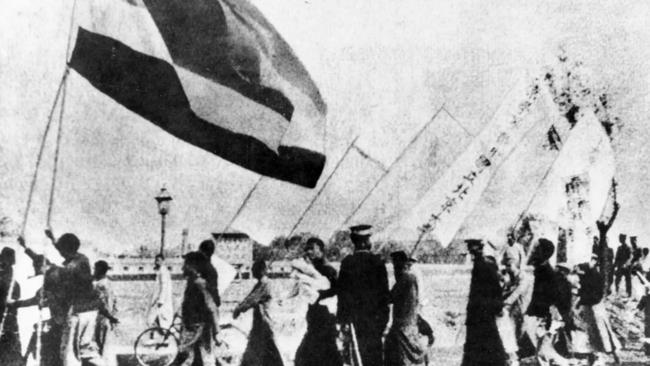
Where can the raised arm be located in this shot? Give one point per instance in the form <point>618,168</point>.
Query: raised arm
<point>258,295</point>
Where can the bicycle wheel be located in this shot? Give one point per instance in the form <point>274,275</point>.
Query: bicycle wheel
<point>156,347</point>
<point>232,342</point>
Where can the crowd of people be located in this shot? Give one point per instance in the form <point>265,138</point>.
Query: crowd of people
<point>80,303</point>
<point>520,305</point>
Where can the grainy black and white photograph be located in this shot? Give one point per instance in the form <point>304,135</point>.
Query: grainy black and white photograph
<point>324,183</point>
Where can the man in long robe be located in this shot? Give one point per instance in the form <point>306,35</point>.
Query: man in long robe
<point>10,353</point>
<point>161,308</point>
<point>363,296</point>
<point>261,349</point>
<point>200,313</point>
<point>483,344</point>
<point>402,346</point>
<point>318,347</point>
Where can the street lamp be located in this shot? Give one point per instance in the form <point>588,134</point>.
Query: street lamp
<point>163,198</point>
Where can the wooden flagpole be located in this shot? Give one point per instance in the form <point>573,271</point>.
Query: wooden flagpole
<point>322,188</point>
<point>386,171</point>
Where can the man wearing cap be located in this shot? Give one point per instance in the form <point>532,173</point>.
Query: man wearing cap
<point>402,346</point>
<point>483,344</point>
<point>622,262</point>
<point>10,352</point>
<point>363,296</point>
<point>104,290</point>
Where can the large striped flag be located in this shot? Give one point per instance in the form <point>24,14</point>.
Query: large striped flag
<point>213,73</point>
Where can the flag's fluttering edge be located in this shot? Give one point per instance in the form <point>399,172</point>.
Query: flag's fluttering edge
<point>212,73</point>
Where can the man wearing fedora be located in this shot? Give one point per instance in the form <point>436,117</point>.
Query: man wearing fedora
<point>363,296</point>
<point>483,345</point>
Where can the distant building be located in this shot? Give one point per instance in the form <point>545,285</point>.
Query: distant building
<point>143,268</point>
<point>236,249</point>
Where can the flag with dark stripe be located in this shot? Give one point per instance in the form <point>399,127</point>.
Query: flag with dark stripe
<point>212,73</point>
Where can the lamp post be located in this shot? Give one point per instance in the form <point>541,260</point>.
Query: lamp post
<point>163,198</point>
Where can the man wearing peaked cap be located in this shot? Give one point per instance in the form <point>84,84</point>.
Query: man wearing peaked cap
<point>363,296</point>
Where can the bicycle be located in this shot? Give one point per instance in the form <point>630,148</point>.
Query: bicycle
<point>158,346</point>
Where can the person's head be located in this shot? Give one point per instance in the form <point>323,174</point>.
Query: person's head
<point>7,258</point>
<point>475,248</point>
<point>645,251</point>
<point>67,245</point>
<point>207,248</point>
<point>401,262</point>
<point>101,268</point>
<point>622,238</point>
<point>542,252</point>
<point>314,249</point>
<point>159,261</point>
<point>259,269</point>
<point>360,237</point>
<point>193,265</point>
<point>633,241</point>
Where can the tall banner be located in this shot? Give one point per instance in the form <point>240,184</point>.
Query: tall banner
<point>515,183</point>
<point>576,190</point>
<point>451,198</point>
<point>409,178</point>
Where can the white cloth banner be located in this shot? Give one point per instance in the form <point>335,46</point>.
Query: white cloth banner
<point>451,198</point>
<point>577,188</point>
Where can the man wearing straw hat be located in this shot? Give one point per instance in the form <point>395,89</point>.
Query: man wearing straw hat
<point>483,344</point>
<point>363,297</point>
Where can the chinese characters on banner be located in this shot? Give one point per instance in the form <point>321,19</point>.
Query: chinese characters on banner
<point>452,197</point>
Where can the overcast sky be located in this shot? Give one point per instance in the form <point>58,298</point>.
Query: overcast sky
<point>384,68</point>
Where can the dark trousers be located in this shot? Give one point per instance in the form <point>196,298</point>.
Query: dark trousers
<point>370,343</point>
<point>624,272</point>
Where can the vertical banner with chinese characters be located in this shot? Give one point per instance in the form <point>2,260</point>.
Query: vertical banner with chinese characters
<point>451,198</point>
<point>577,187</point>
